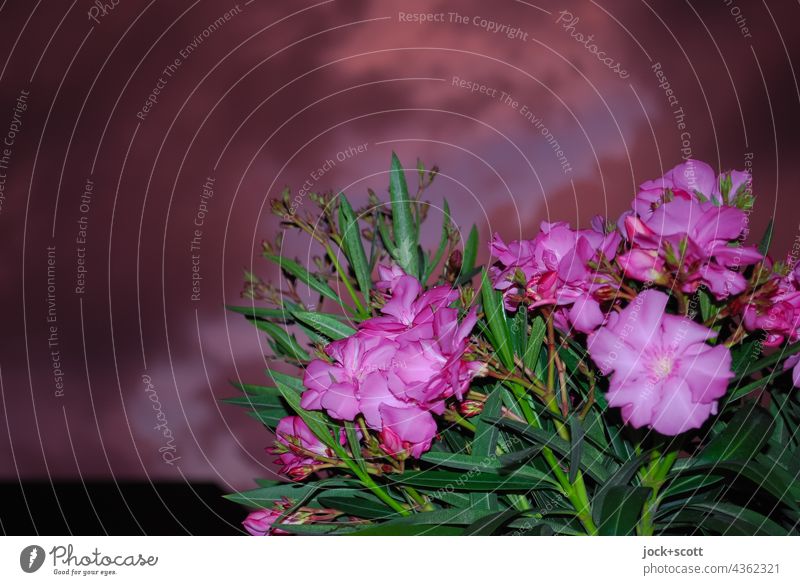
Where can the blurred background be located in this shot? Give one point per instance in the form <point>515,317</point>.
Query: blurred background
<point>141,142</point>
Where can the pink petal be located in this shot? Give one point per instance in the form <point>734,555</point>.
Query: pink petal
<point>340,401</point>
<point>585,315</point>
<point>707,371</point>
<point>677,413</point>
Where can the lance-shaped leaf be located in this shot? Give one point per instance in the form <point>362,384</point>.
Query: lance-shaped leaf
<point>328,325</point>
<point>746,433</point>
<point>620,510</point>
<point>443,239</point>
<point>591,460</point>
<point>286,343</point>
<point>472,480</point>
<point>535,339</point>
<point>405,231</point>
<point>495,465</point>
<point>362,506</point>
<point>496,318</point>
<point>577,433</point>
<point>353,246</point>
<point>490,523</point>
<point>766,239</point>
<point>470,256</point>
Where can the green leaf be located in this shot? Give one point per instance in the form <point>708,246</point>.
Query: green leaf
<point>317,422</point>
<point>290,382</point>
<point>706,305</point>
<point>286,343</point>
<point>264,497</point>
<point>535,339</point>
<point>361,506</point>
<point>470,256</point>
<point>255,389</point>
<point>264,400</point>
<point>487,464</point>
<point>576,448</point>
<point>484,443</point>
<point>353,246</point>
<point>486,434</point>
<point>268,417</point>
<point>490,523</point>
<point>355,445</point>
<point>389,529</point>
<point>385,235</point>
<point>744,354</point>
<point>621,477</point>
<point>304,276</point>
<point>743,437</point>
<point>519,332</point>
<point>495,316</point>
<point>328,325</point>
<point>729,519</point>
<point>442,243</point>
<point>424,522</point>
<point>772,479</point>
<point>516,481</point>
<point>337,528</point>
<point>620,510</point>
<point>405,232</point>
<point>691,484</point>
<point>517,458</point>
<point>766,239</point>
<point>590,460</point>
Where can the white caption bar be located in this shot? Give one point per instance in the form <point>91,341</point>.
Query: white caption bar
<point>486,560</point>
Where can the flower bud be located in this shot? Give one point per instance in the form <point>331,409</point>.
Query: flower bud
<point>470,408</point>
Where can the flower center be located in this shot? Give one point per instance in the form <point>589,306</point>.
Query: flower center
<point>662,365</point>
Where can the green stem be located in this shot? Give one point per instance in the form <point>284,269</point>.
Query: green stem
<point>654,478</point>
<point>419,499</point>
<point>575,492</point>
<point>367,480</point>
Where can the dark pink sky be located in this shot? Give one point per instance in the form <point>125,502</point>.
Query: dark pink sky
<point>260,100</point>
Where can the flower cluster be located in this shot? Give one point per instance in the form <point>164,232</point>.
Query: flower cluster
<point>775,309</point>
<point>683,231</point>
<point>562,268</point>
<point>398,369</point>
<point>300,451</point>
<point>261,522</point>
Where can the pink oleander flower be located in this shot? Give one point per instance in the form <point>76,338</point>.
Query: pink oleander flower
<point>398,369</point>
<point>389,275</point>
<point>260,522</point>
<point>681,223</point>
<point>406,430</point>
<point>335,386</point>
<point>775,309</point>
<point>297,447</point>
<point>409,312</point>
<point>664,374</point>
<point>558,268</point>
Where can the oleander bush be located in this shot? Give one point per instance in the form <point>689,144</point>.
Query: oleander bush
<point>630,377</point>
